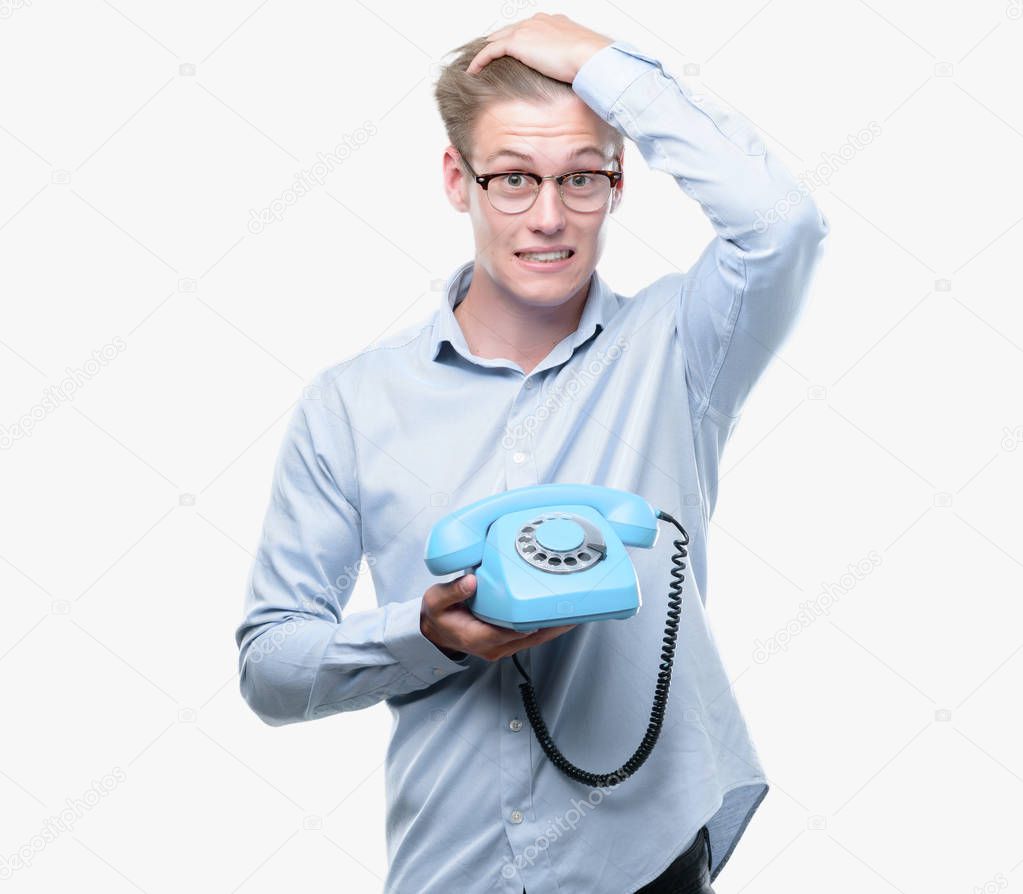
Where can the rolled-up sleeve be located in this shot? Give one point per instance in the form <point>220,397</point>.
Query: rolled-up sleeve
<point>300,656</point>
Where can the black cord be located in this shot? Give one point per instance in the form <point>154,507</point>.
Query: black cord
<point>603,780</point>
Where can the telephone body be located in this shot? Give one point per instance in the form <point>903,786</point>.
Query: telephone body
<point>547,555</point>
<point>555,554</point>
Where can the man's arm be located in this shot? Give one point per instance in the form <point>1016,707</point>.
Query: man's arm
<point>741,299</point>
<point>300,658</point>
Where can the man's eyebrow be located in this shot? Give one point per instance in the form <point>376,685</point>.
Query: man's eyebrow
<point>514,153</point>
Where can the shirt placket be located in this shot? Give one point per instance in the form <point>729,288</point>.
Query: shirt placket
<point>520,439</point>
<point>532,867</point>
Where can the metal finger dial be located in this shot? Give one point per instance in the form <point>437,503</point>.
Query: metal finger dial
<point>560,542</point>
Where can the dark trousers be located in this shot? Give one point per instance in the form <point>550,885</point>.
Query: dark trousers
<point>688,873</point>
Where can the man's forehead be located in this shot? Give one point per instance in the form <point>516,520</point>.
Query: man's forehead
<point>527,154</point>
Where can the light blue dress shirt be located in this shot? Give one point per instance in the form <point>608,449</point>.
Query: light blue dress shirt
<point>642,396</point>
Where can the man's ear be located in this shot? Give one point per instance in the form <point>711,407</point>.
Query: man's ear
<point>455,180</point>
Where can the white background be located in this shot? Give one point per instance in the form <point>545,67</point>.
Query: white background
<point>891,426</point>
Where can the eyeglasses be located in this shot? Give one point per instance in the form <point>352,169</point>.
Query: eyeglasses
<point>513,192</point>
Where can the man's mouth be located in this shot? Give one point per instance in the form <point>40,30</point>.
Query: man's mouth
<point>545,256</point>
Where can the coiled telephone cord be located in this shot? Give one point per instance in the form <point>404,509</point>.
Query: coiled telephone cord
<point>646,746</point>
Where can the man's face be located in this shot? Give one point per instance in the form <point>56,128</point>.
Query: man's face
<point>549,134</point>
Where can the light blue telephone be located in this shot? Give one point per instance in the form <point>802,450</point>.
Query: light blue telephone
<point>555,554</point>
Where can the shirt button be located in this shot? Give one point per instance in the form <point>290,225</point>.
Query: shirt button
<point>515,725</point>
<point>516,816</point>
<point>519,456</point>
<point>529,383</point>
<point>438,671</point>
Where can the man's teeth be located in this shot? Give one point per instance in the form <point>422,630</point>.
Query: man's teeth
<point>545,255</point>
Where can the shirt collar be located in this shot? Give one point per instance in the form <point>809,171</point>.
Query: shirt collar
<point>599,307</point>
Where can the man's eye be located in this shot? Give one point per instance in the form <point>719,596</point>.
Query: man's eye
<point>580,181</point>
<point>515,181</point>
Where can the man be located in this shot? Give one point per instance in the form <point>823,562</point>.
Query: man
<point>533,370</point>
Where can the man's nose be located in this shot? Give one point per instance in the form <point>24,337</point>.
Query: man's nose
<point>548,211</point>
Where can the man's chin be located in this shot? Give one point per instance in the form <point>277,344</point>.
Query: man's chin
<point>544,291</point>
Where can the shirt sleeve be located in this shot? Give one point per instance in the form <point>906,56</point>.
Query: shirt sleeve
<point>740,300</point>
<point>300,657</point>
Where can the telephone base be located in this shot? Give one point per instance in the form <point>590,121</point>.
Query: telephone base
<point>523,627</point>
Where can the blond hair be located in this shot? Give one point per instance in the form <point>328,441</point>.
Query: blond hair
<point>462,98</point>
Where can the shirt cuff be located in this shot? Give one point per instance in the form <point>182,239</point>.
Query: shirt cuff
<point>607,74</point>
<point>404,639</point>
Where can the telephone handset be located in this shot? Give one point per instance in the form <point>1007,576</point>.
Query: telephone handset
<point>554,554</point>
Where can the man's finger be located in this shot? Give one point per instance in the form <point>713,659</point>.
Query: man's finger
<point>454,591</point>
<point>485,56</point>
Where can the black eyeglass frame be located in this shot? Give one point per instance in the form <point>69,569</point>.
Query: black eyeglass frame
<point>484,181</point>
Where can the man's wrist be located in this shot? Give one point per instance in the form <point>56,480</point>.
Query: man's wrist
<point>590,50</point>
<point>453,654</point>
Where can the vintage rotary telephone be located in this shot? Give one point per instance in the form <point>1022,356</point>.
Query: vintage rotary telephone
<point>555,554</point>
